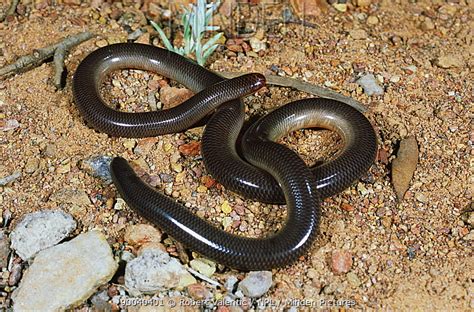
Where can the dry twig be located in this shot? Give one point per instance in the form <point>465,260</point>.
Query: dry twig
<point>306,87</point>
<point>39,56</point>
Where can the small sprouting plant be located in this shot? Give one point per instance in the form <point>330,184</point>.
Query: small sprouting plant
<point>195,22</point>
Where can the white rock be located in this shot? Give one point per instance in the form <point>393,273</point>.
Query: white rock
<point>256,284</point>
<point>257,45</point>
<point>40,230</point>
<point>370,85</point>
<point>66,275</point>
<point>154,270</point>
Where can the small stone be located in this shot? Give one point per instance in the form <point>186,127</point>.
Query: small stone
<point>341,261</point>
<point>10,124</point>
<point>234,47</point>
<point>230,283</point>
<point>176,167</point>
<point>421,198</point>
<point>40,230</point>
<point>404,166</point>
<point>341,7</point>
<point>225,207</point>
<point>9,178</point>
<point>120,204</point>
<point>66,275</point>
<point>347,207</point>
<point>427,24</point>
<point>450,61</point>
<point>4,249</point>
<point>370,85</point>
<point>353,279</point>
<point>372,20</point>
<point>71,196</point>
<point>358,34</point>
<point>363,3</point>
<point>308,7</point>
<point>15,274</point>
<point>129,144</point>
<point>190,149</point>
<point>64,168</point>
<point>101,43</point>
<point>257,45</point>
<point>140,234</point>
<point>256,284</point>
<point>172,96</point>
<point>202,189</point>
<point>99,167</point>
<point>198,291</point>
<point>154,270</point>
<point>31,165</point>
<point>100,301</point>
<point>203,266</point>
<point>395,79</point>
<point>144,39</point>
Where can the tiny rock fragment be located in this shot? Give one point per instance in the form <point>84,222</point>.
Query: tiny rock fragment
<point>257,45</point>
<point>198,291</point>
<point>154,270</point>
<point>353,279</point>
<point>450,61</point>
<point>341,261</point>
<point>71,196</point>
<point>256,284</point>
<point>10,124</point>
<point>190,149</point>
<point>363,3</point>
<point>358,34</point>
<point>370,85</point>
<point>172,96</point>
<point>66,275</point>
<point>403,167</point>
<point>40,230</point>
<point>203,266</point>
<point>140,234</point>
<point>99,167</point>
<point>225,207</point>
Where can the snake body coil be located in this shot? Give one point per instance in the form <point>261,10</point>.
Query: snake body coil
<point>271,172</point>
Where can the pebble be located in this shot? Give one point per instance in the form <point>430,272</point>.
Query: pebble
<point>9,178</point>
<point>404,166</point>
<point>363,3</point>
<point>427,24</point>
<point>172,96</point>
<point>99,167</point>
<point>353,279</point>
<point>40,230</point>
<point>225,207</point>
<point>198,291</point>
<point>203,266</point>
<point>101,43</point>
<point>230,283</point>
<point>129,144</point>
<point>341,261</point>
<point>15,274</point>
<point>358,34</point>
<point>120,204</point>
<point>450,61</point>
<point>372,20</point>
<point>257,45</point>
<point>10,124</point>
<point>256,284</point>
<point>153,271</point>
<point>370,85</point>
<point>341,7</point>
<point>421,198</point>
<point>201,189</point>
<point>71,196</point>
<point>139,234</point>
<point>66,275</point>
<point>4,249</point>
<point>31,165</point>
<point>395,79</point>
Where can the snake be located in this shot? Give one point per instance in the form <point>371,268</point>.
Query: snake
<point>262,169</point>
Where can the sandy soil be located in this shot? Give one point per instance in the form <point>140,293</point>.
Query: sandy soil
<point>416,253</point>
